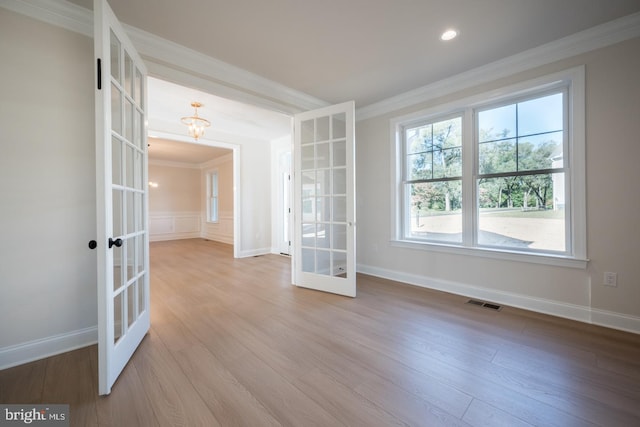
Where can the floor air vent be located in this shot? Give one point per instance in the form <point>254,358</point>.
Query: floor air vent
<point>488,305</point>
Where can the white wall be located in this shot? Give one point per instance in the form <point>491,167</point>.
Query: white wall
<point>613,206</point>
<point>221,231</point>
<point>175,204</point>
<point>47,188</point>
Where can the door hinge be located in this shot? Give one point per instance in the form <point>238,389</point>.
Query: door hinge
<point>99,68</point>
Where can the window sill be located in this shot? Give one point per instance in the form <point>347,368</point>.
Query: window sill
<point>504,255</point>
<point>212,222</point>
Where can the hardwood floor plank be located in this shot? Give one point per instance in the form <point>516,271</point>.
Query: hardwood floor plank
<point>406,406</point>
<point>172,396</point>
<point>348,406</point>
<point>70,379</point>
<point>23,384</point>
<point>481,414</point>
<point>288,404</point>
<point>232,342</point>
<point>128,403</point>
<point>231,403</point>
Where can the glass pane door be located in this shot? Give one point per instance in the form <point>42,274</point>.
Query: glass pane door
<point>121,174</point>
<point>324,209</point>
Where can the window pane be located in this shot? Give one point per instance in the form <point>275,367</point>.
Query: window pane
<point>115,56</point>
<point>434,150</point>
<point>322,156</point>
<point>322,128</point>
<point>308,156</point>
<point>497,123</point>
<point>339,237</point>
<point>497,157</point>
<point>116,109</point>
<point>339,153</point>
<point>323,179</point>
<point>526,212</point>
<point>447,134</point>
<point>540,115</point>
<point>447,163</point>
<point>436,211</point>
<point>128,74</point>
<point>339,122</point>
<point>307,131</point>
<point>540,151</point>
<point>419,139</point>
<point>419,166</point>
<point>323,236</point>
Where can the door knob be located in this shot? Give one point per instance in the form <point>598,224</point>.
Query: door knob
<point>93,244</point>
<point>117,243</point>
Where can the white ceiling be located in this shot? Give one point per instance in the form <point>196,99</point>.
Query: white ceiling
<point>164,150</point>
<point>231,121</point>
<point>340,50</point>
<point>363,50</point>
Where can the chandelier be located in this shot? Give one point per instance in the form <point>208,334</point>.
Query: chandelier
<point>195,123</point>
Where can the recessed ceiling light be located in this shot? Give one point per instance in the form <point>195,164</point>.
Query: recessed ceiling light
<point>449,35</point>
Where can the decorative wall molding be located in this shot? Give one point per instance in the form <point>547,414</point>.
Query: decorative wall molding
<point>540,305</point>
<point>217,161</point>
<point>221,231</point>
<point>174,225</point>
<point>50,346</point>
<point>173,164</point>
<point>60,13</point>
<point>168,58</point>
<point>254,252</point>
<point>603,35</point>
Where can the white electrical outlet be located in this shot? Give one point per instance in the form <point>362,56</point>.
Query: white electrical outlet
<point>610,279</point>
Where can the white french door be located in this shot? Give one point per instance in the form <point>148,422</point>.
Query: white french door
<point>324,210</point>
<point>121,177</point>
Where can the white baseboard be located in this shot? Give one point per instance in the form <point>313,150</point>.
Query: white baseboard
<point>254,252</point>
<point>173,236</point>
<point>569,311</point>
<point>39,349</point>
<point>215,238</point>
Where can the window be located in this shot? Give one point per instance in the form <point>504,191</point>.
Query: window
<point>496,174</point>
<point>212,196</point>
<point>433,180</point>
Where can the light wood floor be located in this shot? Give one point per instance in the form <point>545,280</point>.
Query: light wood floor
<point>233,343</point>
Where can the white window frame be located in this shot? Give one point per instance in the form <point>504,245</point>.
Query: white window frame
<point>576,256</point>
<point>212,193</point>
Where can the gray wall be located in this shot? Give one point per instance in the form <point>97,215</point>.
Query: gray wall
<point>47,184</point>
<point>613,206</point>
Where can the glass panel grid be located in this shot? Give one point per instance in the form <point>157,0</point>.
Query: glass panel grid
<point>323,199</point>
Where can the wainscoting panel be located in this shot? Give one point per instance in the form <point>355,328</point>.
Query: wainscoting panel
<point>221,231</point>
<point>174,225</point>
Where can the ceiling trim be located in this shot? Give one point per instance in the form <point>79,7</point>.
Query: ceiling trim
<point>175,56</point>
<point>216,161</point>
<point>239,84</point>
<point>59,13</point>
<point>174,164</point>
<point>168,58</point>
<point>593,38</point>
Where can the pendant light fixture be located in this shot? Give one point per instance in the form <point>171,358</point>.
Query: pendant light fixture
<point>195,123</point>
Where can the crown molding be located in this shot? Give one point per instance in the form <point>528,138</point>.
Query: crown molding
<point>173,164</point>
<point>168,53</point>
<point>60,13</point>
<point>594,38</point>
<point>173,60</point>
<point>169,57</point>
